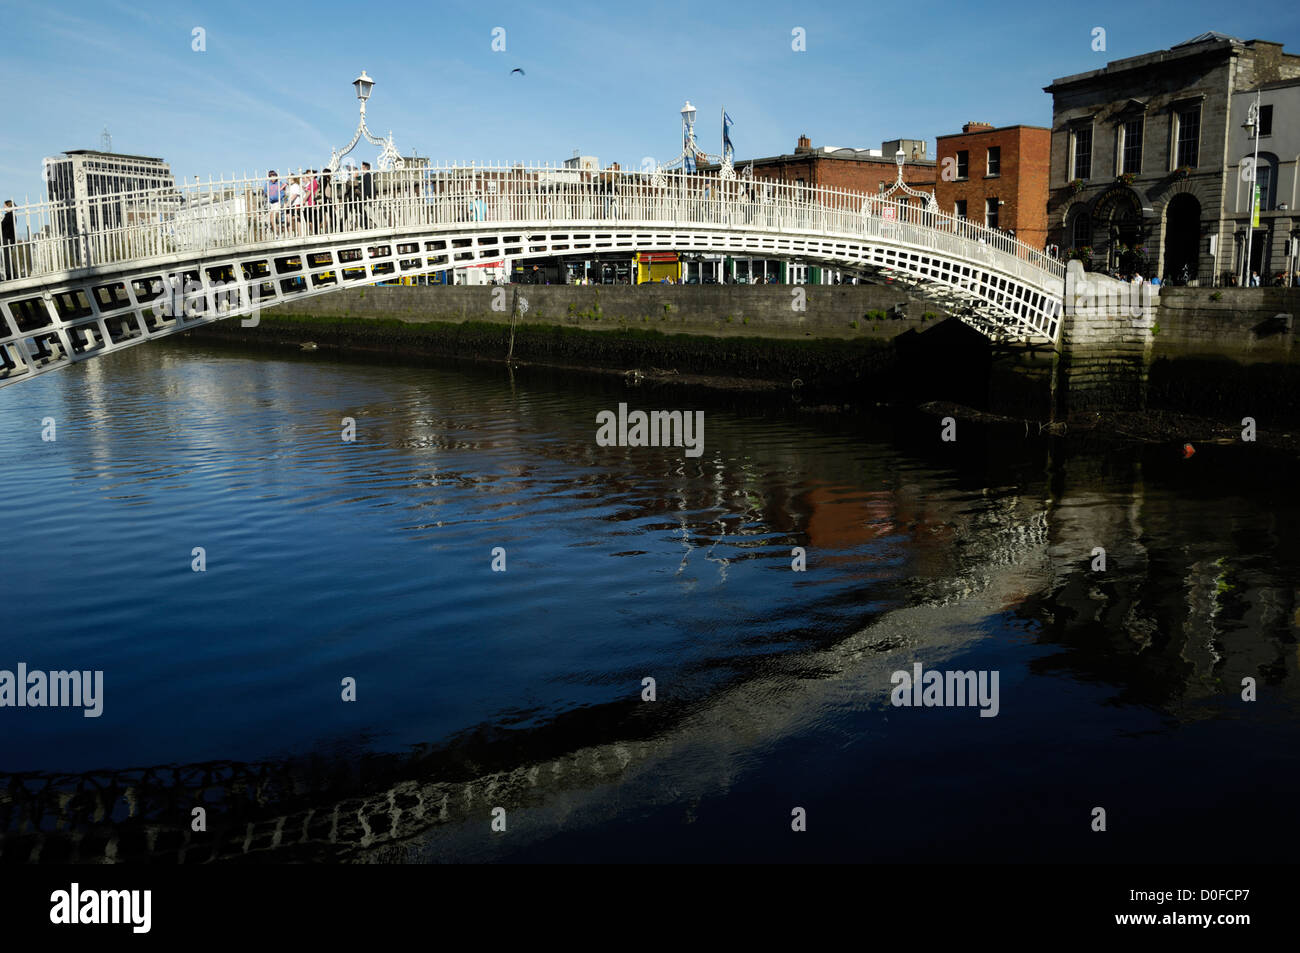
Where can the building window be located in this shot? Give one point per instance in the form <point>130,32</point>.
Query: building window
<point>1266,120</point>
<point>991,213</point>
<point>963,164</point>
<point>1264,179</point>
<point>1131,146</point>
<point>995,160</point>
<point>959,208</point>
<point>1081,233</point>
<point>1081,153</point>
<point>1188,137</point>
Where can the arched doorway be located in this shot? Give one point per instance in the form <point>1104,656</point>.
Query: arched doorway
<point>1182,238</point>
<point>1117,221</point>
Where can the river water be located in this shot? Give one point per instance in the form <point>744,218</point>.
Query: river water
<point>372,560</point>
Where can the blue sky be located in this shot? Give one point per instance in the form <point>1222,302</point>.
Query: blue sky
<point>272,88</point>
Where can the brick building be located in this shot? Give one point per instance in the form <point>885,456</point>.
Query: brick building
<point>860,170</point>
<point>1145,152</point>
<point>997,177</point>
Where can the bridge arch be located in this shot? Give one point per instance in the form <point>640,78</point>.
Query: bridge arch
<point>228,258</point>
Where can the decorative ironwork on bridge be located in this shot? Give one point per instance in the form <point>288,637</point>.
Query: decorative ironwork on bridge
<point>931,203</point>
<point>389,157</point>
<point>145,264</point>
<point>691,151</point>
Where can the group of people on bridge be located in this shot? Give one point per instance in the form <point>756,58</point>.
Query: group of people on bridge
<point>320,202</point>
<point>312,202</point>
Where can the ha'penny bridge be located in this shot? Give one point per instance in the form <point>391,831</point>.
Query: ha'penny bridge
<point>104,273</point>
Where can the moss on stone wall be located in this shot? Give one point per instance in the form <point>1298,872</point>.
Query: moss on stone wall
<point>841,363</point>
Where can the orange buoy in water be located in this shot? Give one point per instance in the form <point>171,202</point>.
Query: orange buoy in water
<point>1188,450</point>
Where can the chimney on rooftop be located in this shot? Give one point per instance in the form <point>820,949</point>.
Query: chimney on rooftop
<point>804,144</point>
<point>977,127</point>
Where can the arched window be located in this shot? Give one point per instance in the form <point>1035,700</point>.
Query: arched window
<point>1081,229</point>
<point>1265,177</point>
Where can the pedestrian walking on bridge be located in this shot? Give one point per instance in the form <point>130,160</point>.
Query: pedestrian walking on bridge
<point>10,262</point>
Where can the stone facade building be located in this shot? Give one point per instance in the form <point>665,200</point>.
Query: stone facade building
<point>1272,249</point>
<point>1145,154</point>
<point>997,177</point>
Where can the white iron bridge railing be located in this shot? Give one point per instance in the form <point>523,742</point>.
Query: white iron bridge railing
<point>97,232</point>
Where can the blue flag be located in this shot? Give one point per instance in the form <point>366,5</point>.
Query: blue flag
<point>727,149</point>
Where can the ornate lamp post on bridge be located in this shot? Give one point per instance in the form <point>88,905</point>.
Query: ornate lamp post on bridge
<point>931,203</point>
<point>688,136</point>
<point>389,158</point>
<point>691,151</point>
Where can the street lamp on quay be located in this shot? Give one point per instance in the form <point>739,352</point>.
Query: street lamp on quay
<point>389,158</point>
<point>1251,125</point>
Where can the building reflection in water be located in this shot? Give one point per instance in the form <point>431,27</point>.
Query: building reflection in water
<point>1198,593</point>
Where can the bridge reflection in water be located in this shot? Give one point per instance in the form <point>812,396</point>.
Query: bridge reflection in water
<point>975,555</point>
<point>365,806</point>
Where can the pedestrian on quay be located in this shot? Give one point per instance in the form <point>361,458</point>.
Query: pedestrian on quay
<point>1254,279</point>
<point>10,259</point>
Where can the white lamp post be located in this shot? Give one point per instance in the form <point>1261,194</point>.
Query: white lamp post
<point>930,203</point>
<point>364,85</point>
<point>688,128</point>
<point>389,157</point>
<point>1251,125</point>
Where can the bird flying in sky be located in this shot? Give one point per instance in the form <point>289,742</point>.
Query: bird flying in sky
<point>517,70</point>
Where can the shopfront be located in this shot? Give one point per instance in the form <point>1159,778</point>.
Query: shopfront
<point>658,266</point>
